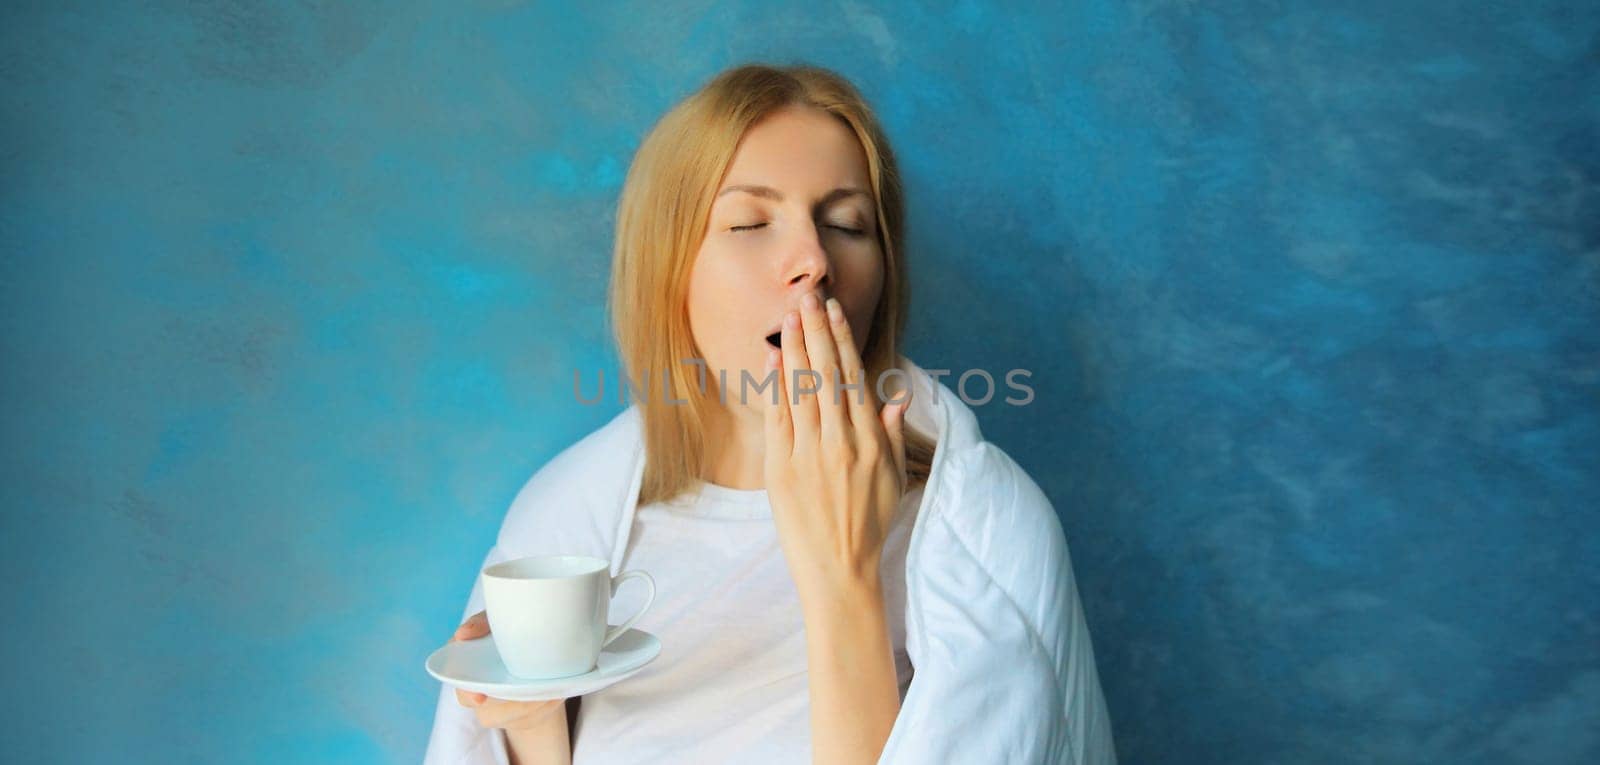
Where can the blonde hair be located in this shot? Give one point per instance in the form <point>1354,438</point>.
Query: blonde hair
<point>662,215</point>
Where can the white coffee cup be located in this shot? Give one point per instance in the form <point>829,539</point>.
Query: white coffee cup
<point>548,613</point>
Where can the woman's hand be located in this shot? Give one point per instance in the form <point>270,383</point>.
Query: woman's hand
<point>500,713</point>
<point>835,464</point>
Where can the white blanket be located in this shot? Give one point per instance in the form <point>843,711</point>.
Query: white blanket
<point>1004,669</point>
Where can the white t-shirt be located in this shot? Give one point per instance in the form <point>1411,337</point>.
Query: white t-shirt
<point>730,684</point>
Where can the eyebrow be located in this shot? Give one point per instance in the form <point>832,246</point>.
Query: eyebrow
<point>767,192</point>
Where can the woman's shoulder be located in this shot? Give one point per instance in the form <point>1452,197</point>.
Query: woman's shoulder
<point>994,529</point>
<point>580,484</point>
<point>609,443</point>
<point>991,494</point>
<point>980,490</point>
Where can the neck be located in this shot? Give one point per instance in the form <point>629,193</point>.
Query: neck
<point>735,447</point>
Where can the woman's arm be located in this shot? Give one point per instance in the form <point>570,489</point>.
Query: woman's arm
<point>548,744</point>
<point>835,472</point>
<point>855,695</point>
<point>1005,662</point>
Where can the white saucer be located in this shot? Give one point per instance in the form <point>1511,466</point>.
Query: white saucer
<point>474,665</point>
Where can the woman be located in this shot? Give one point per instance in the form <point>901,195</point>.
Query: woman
<point>843,574</point>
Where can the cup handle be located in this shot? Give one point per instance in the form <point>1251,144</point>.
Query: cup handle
<point>614,632</point>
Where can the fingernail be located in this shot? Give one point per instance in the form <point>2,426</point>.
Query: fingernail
<point>834,311</point>
<point>810,301</point>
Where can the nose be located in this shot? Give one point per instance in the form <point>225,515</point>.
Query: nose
<point>807,265</point>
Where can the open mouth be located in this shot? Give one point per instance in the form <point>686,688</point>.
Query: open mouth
<point>775,340</point>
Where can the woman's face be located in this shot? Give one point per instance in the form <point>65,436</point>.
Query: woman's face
<point>795,213</point>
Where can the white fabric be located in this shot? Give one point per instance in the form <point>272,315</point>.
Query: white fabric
<point>730,684</point>
<point>1003,665</point>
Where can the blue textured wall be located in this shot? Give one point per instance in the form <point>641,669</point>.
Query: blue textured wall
<point>1311,292</point>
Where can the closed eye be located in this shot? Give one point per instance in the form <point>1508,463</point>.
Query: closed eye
<point>845,229</point>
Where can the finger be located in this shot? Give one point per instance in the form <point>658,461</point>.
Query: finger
<point>475,626</point>
<point>502,713</point>
<point>825,359</point>
<point>530,713</point>
<point>894,423</point>
<point>779,433</point>
<point>850,361</point>
<point>491,711</point>
<point>797,380</point>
